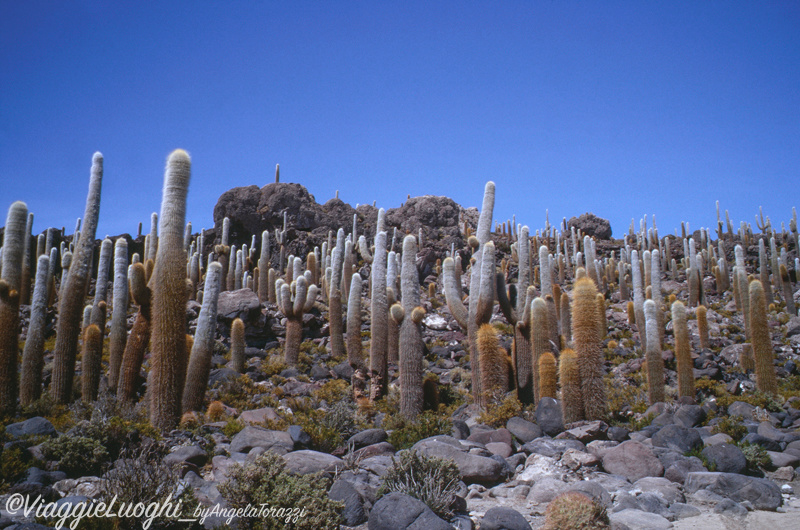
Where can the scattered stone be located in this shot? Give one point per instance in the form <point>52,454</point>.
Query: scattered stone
<point>762,493</point>
<point>299,436</point>
<point>473,468</point>
<point>726,458</point>
<point>259,416</point>
<point>638,520</point>
<point>354,513</point>
<point>397,511</point>
<point>548,416</point>
<point>633,460</point>
<point>252,436</point>
<point>242,304</point>
<point>36,426</point>
<point>664,488</point>
<point>677,438</point>
<point>367,437</point>
<point>730,508</point>
<point>524,430</point>
<point>545,490</point>
<point>306,462</point>
<point>503,518</point>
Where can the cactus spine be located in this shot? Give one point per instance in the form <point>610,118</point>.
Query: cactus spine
<point>10,285</point>
<point>588,348</point>
<point>766,380</point>
<point>73,288</point>
<point>683,355</point>
<point>90,362</point>
<point>168,369</point>
<point>203,346</point>
<point>410,334</point>
<point>32,355</point>
<point>569,377</point>
<point>378,370</point>
<point>237,345</point>
<point>547,375</point>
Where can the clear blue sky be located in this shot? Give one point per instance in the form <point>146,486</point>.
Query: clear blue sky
<point>619,108</point>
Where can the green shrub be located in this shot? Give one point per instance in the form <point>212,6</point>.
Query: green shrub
<point>264,482</point>
<point>756,456</point>
<point>406,433</point>
<point>328,429</point>
<point>77,456</point>
<point>497,414</point>
<point>14,462</point>
<point>232,427</point>
<point>432,480</point>
<point>732,426</point>
<point>575,511</point>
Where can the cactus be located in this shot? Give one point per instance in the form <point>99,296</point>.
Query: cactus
<point>151,249</point>
<point>766,380</point>
<point>73,289</point>
<point>547,375</point>
<point>392,327</point>
<point>566,318</point>
<point>90,361</point>
<point>655,283</point>
<point>32,355</point>
<point>168,337</point>
<point>545,272</point>
<point>139,338</point>
<point>788,294</point>
<point>378,370</point>
<point>653,359</point>
<point>203,346</point>
<point>410,333</point>
<point>495,374</point>
<point>237,345</point>
<point>683,355</point>
<point>602,322</point>
<point>335,298</point>
<point>10,285</point>
<point>119,316</point>
<point>764,270</point>
<point>569,378</point>
<point>693,282</point>
<point>702,326</point>
<point>540,340</point>
<point>638,297</point>
<point>263,268</point>
<point>355,353</point>
<point>25,279</point>
<point>430,392</point>
<point>588,347</point>
<point>294,303</point>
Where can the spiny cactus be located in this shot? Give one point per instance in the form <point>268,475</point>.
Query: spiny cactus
<point>263,268</point>
<point>378,370</point>
<point>566,318</point>
<point>653,359</point>
<point>101,285</point>
<point>151,250</point>
<point>335,298</point>
<point>10,284</point>
<point>237,345</point>
<point>168,368</point>
<point>355,351</point>
<point>540,340</point>
<point>32,355</point>
<point>547,375</point>
<point>788,294</point>
<point>655,283</point>
<point>392,327</point>
<point>588,347</point>
<point>25,279</point>
<point>410,333</point>
<point>764,270</point>
<point>494,378</point>
<point>73,289</point>
<point>602,322</point>
<point>139,338</point>
<point>702,326</point>
<point>683,354</point>
<point>203,346</point>
<point>766,380</point>
<point>90,361</point>
<point>638,297</point>
<point>294,303</point>
<point>569,378</point>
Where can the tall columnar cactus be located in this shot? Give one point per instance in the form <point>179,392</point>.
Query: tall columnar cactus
<point>766,380</point>
<point>566,318</point>
<point>588,347</point>
<point>683,354</point>
<point>294,303</point>
<point>139,338</point>
<point>655,282</point>
<point>638,297</point>
<point>168,340</point>
<point>788,294</point>
<point>378,357</point>
<point>152,249</point>
<point>237,345</point>
<point>392,327</point>
<point>10,284</point>
<point>653,359</point>
<point>547,375</point>
<point>101,285</point>
<point>203,347</point>
<point>73,288</point>
<point>540,340</point>
<point>263,268</point>
<point>493,357</point>
<point>702,326</point>
<point>32,355</point>
<point>569,378</point>
<point>410,333</point>
<point>90,362</point>
<point>545,272</point>
<point>602,321</point>
<point>355,353</point>
<point>764,270</point>
<point>482,287</point>
<point>335,298</point>
<point>25,280</point>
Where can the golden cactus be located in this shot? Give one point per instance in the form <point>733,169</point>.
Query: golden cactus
<point>588,348</point>
<point>547,375</point>
<point>763,355</point>
<point>683,354</point>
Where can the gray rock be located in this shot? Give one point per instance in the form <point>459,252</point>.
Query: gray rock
<point>472,468</point>
<point>726,458</point>
<point>690,415</point>
<point>221,375</point>
<point>318,372</point>
<point>739,408</point>
<point>381,448</point>
<point>633,460</point>
<point>731,508</point>
<point>684,511</point>
<point>503,518</point>
<point>36,426</point>
<point>242,304</point>
<point>650,502</point>
<point>617,434</point>
<point>190,454</point>
<point>784,459</point>
<point>593,490</point>
<point>306,462</point>
<point>762,493</point>
<point>677,438</point>
<point>461,430</point>
<point>548,416</point>
<point>524,430</point>
<point>639,520</point>
<point>716,439</point>
<point>299,436</point>
<point>756,439</point>
<point>591,225</point>
<point>397,511</point>
<point>767,430</point>
<point>353,512</point>
<point>625,501</point>
<point>252,436</point>
<point>545,490</point>
<point>367,437</point>
<point>344,371</point>
<point>593,430</point>
<point>664,488</point>
<point>552,448</point>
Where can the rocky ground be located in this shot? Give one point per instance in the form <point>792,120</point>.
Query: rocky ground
<point>728,459</point>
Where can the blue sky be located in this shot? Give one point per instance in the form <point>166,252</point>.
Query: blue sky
<point>619,108</point>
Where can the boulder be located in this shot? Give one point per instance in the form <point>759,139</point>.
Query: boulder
<point>638,520</point>
<point>677,438</point>
<point>354,513</point>
<point>397,511</point>
<point>726,458</point>
<point>306,462</point>
<point>252,436</point>
<point>242,304</point>
<point>591,225</point>
<point>762,493</point>
<point>633,460</point>
<point>504,518</point>
<point>524,430</point>
<point>36,426</point>
<point>548,416</point>
<point>471,467</point>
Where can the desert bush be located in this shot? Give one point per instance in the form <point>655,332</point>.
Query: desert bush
<point>264,482</point>
<point>14,463</point>
<point>77,456</point>
<point>405,433</point>
<point>432,480</point>
<point>497,414</point>
<point>328,429</point>
<point>575,511</point>
<point>755,455</point>
<point>732,426</point>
